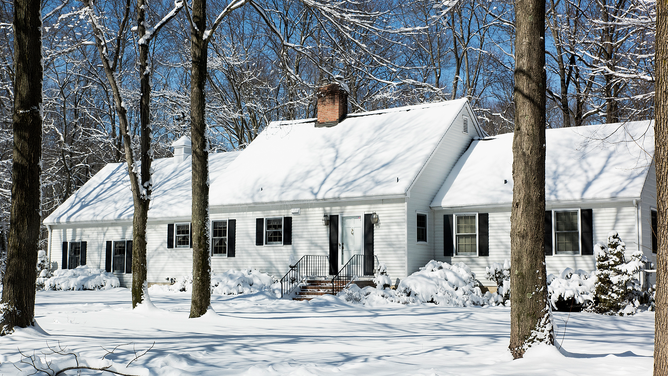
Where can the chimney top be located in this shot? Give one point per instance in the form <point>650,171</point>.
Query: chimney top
<point>332,105</point>
<point>182,148</point>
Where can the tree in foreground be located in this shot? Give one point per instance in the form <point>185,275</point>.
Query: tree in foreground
<point>530,317</point>
<point>661,163</point>
<point>17,308</point>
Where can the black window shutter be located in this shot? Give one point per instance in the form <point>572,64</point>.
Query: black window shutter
<point>128,256</point>
<point>107,260</point>
<point>333,244</point>
<point>259,231</point>
<point>231,237</point>
<point>191,235</point>
<point>483,234</point>
<point>170,235</point>
<point>587,235</point>
<point>548,233</point>
<point>287,230</point>
<point>84,245</point>
<point>368,245</point>
<point>654,231</point>
<point>447,235</point>
<point>64,258</point>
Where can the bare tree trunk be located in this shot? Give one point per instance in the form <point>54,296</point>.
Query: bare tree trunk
<point>201,295</point>
<point>530,320</point>
<point>143,200</point>
<point>661,161</point>
<point>18,294</point>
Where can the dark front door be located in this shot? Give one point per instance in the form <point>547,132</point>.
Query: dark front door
<point>333,244</point>
<point>368,245</point>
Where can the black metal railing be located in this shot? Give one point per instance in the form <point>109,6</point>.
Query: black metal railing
<point>307,266</point>
<point>353,269</point>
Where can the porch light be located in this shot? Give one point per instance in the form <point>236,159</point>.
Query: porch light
<point>374,218</point>
<point>325,219</point>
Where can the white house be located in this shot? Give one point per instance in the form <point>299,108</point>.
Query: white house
<point>400,186</point>
<point>336,186</point>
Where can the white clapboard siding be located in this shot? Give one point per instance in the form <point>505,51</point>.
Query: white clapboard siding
<point>647,204</point>
<point>620,217</point>
<point>427,185</point>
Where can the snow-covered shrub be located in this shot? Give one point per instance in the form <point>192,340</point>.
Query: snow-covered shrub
<point>499,274</point>
<point>381,278</point>
<point>43,269</point>
<point>442,283</point>
<point>617,290</point>
<point>232,282</point>
<point>572,290</point>
<point>81,278</point>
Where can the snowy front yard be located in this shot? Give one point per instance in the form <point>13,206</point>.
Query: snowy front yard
<point>254,334</point>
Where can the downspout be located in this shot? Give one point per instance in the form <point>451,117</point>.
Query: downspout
<point>48,245</point>
<point>635,204</point>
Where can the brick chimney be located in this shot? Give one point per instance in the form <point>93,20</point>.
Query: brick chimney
<point>332,105</point>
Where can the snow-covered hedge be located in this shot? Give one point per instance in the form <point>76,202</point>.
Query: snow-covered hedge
<point>81,278</point>
<point>437,282</point>
<point>572,290</point>
<point>500,275</point>
<point>232,282</point>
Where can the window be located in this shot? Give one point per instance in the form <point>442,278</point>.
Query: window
<point>465,125</point>
<point>654,231</point>
<point>182,235</point>
<point>567,232</point>
<point>465,235</point>
<point>73,254</point>
<point>274,232</point>
<point>421,227</point>
<point>219,237</point>
<point>119,256</point>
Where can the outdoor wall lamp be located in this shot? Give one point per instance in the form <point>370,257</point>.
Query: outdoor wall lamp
<point>325,219</point>
<point>374,218</point>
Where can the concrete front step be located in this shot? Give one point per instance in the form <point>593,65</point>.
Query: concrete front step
<point>314,288</point>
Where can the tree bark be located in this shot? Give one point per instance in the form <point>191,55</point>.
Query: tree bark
<point>18,294</point>
<point>201,295</point>
<point>530,314</point>
<point>661,164</point>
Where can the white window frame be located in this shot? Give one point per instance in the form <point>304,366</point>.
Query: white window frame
<point>266,232</point>
<point>69,254</point>
<point>426,228</point>
<point>554,232</point>
<point>113,255</point>
<point>226,237</point>
<point>176,236</point>
<point>454,235</point>
<point>465,124</point>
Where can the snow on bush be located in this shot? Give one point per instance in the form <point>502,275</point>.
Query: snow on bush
<point>43,270</point>
<point>81,278</point>
<point>499,274</point>
<point>232,282</point>
<point>617,290</point>
<point>572,290</point>
<point>437,282</point>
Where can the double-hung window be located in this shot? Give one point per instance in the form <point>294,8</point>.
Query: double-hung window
<point>421,227</point>
<point>182,235</point>
<point>219,237</point>
<point>119,256</point>
<point>654,227</point>
<point>567,232</point>
<point>273,231</point>
<point>466,235</point>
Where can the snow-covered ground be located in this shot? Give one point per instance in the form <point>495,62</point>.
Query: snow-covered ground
<point>256,334</point>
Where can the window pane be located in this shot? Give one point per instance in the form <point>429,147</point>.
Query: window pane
<point>219,229</point>
<point>274,231</point>
<point>421,228</point>
<point>183,235</point>
<point>75,255</point>
<point>566,221</point>
<point>466,244</point>
<point>466,224</point>
<point>219,237</point>
<point>219,246</point>
<point>119,257</point>
<point>567,243</point>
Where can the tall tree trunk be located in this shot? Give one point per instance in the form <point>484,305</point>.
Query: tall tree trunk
<point>18,294</point>
<point>142,201</point>
<point>530,320</point>
<point>661,164</point>
<point>201,295</point>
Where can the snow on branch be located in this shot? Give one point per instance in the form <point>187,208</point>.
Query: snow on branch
<point>178,5</point>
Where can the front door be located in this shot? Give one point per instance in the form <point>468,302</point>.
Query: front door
<point>352,237</point>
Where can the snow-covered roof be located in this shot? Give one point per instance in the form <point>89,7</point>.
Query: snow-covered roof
<point>375,154</point>
<point>107,196</point>
<point>596,162</point>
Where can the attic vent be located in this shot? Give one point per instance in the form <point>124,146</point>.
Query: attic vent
<point>182,149</point>
<point>465,125</point>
